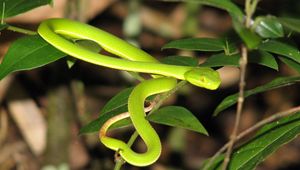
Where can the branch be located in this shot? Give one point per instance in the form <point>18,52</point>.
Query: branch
<point>243,66</point>
<point>250,6</point>
<point>21,30</point>
<point>253,128</point>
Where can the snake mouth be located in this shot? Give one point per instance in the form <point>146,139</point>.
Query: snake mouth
<point>213,87</point>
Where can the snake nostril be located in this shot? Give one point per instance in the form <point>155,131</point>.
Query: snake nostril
<point>202,79</point>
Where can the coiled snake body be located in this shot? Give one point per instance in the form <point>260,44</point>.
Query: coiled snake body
<point>61,32</point>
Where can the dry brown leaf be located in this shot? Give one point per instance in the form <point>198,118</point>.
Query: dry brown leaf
<point>31,123</point>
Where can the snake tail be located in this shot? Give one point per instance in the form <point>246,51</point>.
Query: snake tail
<point>141,124</point>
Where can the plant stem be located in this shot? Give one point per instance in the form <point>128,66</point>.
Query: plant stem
<point>132,138</point>
<point>3,126</point>
<point>243,66</point>
<point>160,101</point>
<point>118,165</point>
<point>21,30</point>
<point>120,161</point>
<point>250,6</point>
<point>252,129</point>
<point>3,11</point>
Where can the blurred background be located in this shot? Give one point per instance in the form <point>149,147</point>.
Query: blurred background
<point>42,110</point>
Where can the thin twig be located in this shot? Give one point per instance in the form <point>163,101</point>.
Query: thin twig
<point>3,12</point>
<point>119,164</point>
<point>243,66</point>
<point>21,30</point>
<point>3,126</point>
<point>250,6</point>
<point>253,128</point>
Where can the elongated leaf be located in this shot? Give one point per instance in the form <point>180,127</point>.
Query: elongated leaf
<point>251,39</point>
<point>226,5</point>
<point>268,140</point>
<point>268,27</point>
<point>28,53</point>
<point>197,44</point>
<point>291,63</point>
<point>3,26</point>
<point>87,44</point>
<point>118,101</point>
<point>115,106</point>
<point>263,58</point>
<point>230,47</point>
<point>180,60</point>
<point>276,83</point>
<point>121,123</point>
<point>171,115</point>
<point>265,142</point>
<point>91,127</point>
<point>11,8</point>
<point>290,23</point>
<point>281,48</point>
<point>258,57</point>
<point>178,117</point>
<point>215,165</point>
<point>96,124</point>
<point>71,61</point>
<point>221,59</point>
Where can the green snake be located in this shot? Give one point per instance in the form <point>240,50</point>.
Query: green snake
<point>61,33</point>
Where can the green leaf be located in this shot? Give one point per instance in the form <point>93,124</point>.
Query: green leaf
<point>178,117</point>
<point>9,8</point>
<point>221,59</point>
<point>121,123</point>
<point>118,101</point>
<point>3,26</point>
<point>171,115</point>
<point>237,17</point>
<point>230,47</point>
<point>268,27</point>
<point>290,23</point>
<point>263,58</point>
<point>27,53</point>
<point>258,57</point>
<point>180,60</point>
<point>251,39</point>
<point>291,63</point>
<point>87,44</point>
<point>281,48</point>
<point>96,124</point>
<point>276,83</point>
<point>71,61</point>
<point>226,5</point>
<point>269,138</point>
<point>115,106</point>
<point>197,44</point>
<point>215,165</point>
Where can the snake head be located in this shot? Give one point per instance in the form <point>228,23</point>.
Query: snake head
<point>204,77</point>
